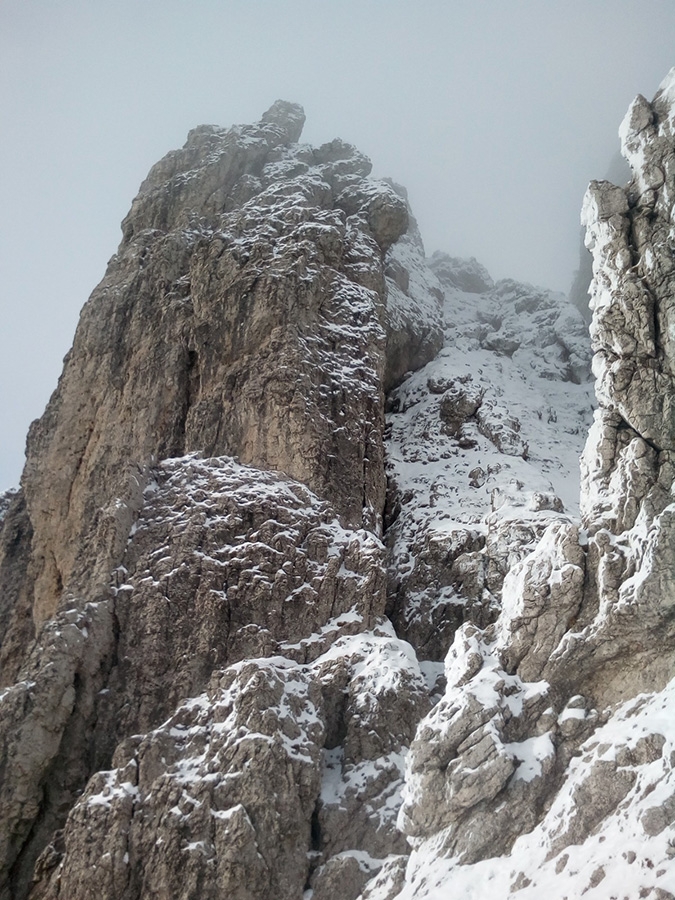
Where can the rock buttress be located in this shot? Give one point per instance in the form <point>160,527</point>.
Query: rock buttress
<point>244,315</point>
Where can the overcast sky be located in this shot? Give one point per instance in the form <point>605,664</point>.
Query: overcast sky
<point>493,113</point>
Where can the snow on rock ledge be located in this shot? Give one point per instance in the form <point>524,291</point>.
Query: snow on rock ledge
<point>232,712</point>
<point>280,775</point>
<point>482,452</point>
<point>546,769</point>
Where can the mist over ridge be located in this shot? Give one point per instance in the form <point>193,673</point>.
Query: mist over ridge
<point>494,117</point>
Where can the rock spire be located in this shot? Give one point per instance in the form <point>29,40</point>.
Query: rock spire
<point>206,487</point>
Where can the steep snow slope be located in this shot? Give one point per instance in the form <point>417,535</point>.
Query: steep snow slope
<point>483,449</point>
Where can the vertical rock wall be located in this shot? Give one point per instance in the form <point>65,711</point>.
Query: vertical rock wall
<point>245,314</point>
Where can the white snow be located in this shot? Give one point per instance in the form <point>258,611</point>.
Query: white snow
<point>524,353</point>
<point>6,498</point>
<point>529,754</point>
<point>618,859</point>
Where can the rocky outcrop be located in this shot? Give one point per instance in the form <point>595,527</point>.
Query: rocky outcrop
<point>263,634</point>
<point>549,759</point>
<point>618,173</point>
<point>228,563</point>
<point>244,314</point>
<point>225,563</point>
<point>235,795</point>
<point>466,275</point>
<point>627,469</point>
<point>476,466</point>
<point>249,312</point>
<point>414,324</point>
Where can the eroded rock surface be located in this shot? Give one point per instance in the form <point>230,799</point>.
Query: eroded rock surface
<point>224,677</point>
<point>243,314</point>
<point>483,450</point>
<point>257,306</point>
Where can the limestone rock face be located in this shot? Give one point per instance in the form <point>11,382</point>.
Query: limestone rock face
<point>627,469</point>
<point>414,324</point>
<point>228,563</point>
<point>244,314</point>
<point>247,313</point>
<point>255,786</point>
<point>297,596</point>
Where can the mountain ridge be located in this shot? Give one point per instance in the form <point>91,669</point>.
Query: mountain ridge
<point>295,593</point>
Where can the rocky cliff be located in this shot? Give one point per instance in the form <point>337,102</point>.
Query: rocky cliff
<point>546,767</point>
<point>297,595</point>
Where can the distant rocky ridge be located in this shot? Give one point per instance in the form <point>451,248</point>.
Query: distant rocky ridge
<point>476,464</point>
<point>295,597</point>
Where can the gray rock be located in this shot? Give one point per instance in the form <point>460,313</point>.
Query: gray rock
<point>230,793</point>
<point>459,403</point>
<point>204,695</point>
<point>246,313</point>
<point>228,563</point>
<point>559,704</point>
<point>342,876</point>
<point>466,274</point>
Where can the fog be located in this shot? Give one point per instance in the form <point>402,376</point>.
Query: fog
<point>494,114</point>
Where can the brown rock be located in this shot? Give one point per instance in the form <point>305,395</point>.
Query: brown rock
<point>246,314</point>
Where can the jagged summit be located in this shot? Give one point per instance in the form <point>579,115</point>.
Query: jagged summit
<point>296,598</point>
<point>288,117</point>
